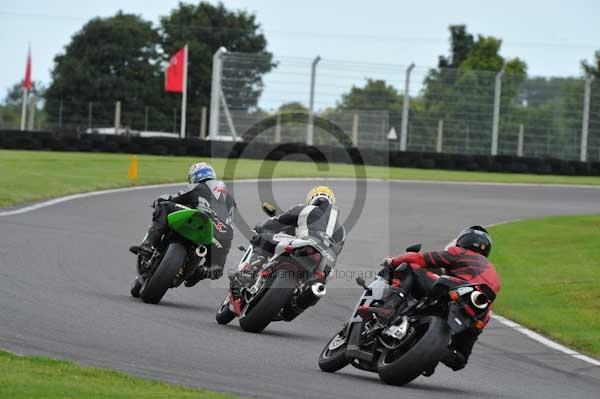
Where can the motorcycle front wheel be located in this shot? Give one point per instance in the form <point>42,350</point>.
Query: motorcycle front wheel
<point>333,355</point>
<point>224,314</point>
<point>426,343</point>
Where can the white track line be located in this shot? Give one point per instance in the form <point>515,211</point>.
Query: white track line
<point>508,323</point>
<point>545,341</point>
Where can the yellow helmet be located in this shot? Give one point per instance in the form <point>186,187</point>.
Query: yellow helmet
<point>318,192</point>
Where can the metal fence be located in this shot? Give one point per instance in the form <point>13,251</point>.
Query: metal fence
<point>447,110</point>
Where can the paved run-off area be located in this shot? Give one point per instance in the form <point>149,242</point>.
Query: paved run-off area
<point>65,274</point>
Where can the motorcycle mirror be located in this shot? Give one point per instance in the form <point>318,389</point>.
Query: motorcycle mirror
<point>414,248</point>
<point>269,209</point>
<point>242,248</point>
<point>361,281</point>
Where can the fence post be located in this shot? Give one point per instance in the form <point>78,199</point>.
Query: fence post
<point>203,124</point>
<point>586,119</point>
<point>520,141</point>
<point>355,130</point>
<point>215,92</point>
<point>175,120</point>
<point>310,129</point>
<point>90,110</point>
<point>24,107</point>
<point>146,118</point>
<point>405,105</point>
<point>496,121</point>
<point>117,117</point>
<point>31,114</point>
<point>440,136</point>
<point>60,114</point>
<point>278,129</point>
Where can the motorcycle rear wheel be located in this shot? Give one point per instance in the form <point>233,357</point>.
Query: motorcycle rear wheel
<point>269,305</point>
<point>164,276</point>
<point>401,366</point>
<point>331,360</point>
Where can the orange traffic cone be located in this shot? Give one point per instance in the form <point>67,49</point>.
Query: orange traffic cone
<point>133,168</point>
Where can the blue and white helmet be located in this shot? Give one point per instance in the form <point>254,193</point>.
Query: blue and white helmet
<point>200,172</point>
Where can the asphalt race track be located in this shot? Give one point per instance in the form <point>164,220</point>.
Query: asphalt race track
<point>64,292</point>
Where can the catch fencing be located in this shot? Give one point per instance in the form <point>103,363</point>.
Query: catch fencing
<point>450,111</point>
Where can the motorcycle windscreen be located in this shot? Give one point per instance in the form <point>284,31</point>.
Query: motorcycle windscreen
<point>193,225</point>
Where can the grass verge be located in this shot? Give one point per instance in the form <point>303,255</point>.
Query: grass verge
<point>37,175</point>
<point>549,269</point>
<point>26,377</point>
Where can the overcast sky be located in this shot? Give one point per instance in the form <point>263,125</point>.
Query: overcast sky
<point>551,36</point>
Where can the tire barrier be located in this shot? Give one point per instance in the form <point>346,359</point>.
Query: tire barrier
<point>73,141</point>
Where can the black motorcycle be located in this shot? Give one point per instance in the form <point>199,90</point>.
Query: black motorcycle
<point>417,336</point>
<point>291,280</point>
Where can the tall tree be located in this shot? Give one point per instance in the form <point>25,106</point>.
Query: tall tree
<point>205,28</point>
<point>461,90</point>
<point>109,59</point>
<point>375,94</point>
<point>592,69</point>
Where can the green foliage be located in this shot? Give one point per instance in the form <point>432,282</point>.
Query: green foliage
<point>109,59</point>
<point>293,106</point>
<point>206,28</point>
<point>375,95</point>
<point>592,69</point>
<point>10,110</point>
<point>461,91</point>
<point>123,57</point>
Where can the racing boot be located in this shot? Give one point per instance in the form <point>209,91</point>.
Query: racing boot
<point>385,312</point>
<point>146,248</point>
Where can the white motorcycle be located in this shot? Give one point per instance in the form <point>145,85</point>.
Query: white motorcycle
<point>284,286</point>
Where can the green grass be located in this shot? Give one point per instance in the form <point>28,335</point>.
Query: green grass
<point>35,175</point>
<point>549,269</point>
<point>41,378</point>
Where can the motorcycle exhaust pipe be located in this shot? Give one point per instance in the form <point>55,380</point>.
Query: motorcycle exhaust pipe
<point>201,251</point>
<point>479,300</point>
<point>318,290</point>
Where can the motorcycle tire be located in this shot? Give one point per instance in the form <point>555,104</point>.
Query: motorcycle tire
<point>136,286</point>
<point>333,360</point>
<point>224,314</point>
<point>432,343</point>
<point>269,305</point>
<point>164,276</point>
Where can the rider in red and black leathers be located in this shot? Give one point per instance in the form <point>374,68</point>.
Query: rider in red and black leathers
<point>463,262</point>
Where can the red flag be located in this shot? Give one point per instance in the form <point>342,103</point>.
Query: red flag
<point>174,74</point>
<point>27,82</point>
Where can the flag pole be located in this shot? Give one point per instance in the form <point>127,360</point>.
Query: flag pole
<point>24,108</point>
<point>184,93</point>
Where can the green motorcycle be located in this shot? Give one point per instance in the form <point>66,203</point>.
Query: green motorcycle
<point>178,255</point>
